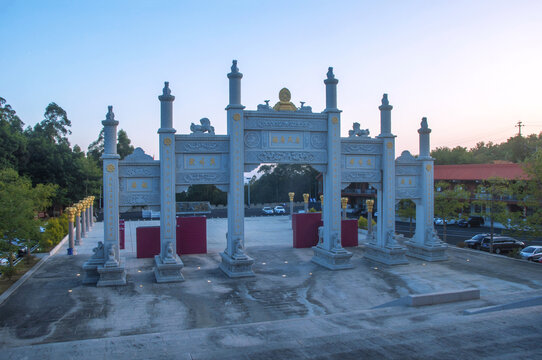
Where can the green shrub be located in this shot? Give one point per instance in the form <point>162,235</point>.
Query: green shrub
<point>311,210</point>
<point>362,223</point>
<point>8,271</point>
<point>54,233</point>
<point>63,220</point>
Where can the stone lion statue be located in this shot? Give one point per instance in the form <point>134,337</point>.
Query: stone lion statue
<point>357,131</point>
<point>203,128</point>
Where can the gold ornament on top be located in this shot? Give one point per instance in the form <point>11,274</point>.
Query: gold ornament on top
<point>284,103</point>
<point>306,198</point>
<point>291,195</point>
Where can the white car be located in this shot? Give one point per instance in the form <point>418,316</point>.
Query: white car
<point>532,253</point>
<point>267,210</point>
<point>279,210</point>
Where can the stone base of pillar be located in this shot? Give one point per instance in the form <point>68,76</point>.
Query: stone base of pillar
<point>90,270</point>
<point>78,242</point>
<point>168,271</point>
<point>432,252</point>
<point>389,255</point>
<point>336,259</point>
<point>111,275</point>
<point>241,266</point>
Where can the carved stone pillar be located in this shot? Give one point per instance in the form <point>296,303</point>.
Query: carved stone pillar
<point>92,210</point>
<point>83,219</point>
<point>426,244</point>
<point>78,240</point>
<point>235,263</point>
<point>329,253</point>
<point>70,212</point>
<point>105,267</point>
<point>386,249</point>
<point>88,213</point>
<point>168,265</point>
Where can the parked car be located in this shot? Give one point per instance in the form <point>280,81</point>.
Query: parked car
<point>267,210</point>
<point>476,240</point>
<point>473,221</point>
<point>279,210</point>
<point>501,244</point>
<point>532,253</point>
<point>440,221</point>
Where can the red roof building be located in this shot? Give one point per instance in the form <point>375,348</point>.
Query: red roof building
<point>479,172</point>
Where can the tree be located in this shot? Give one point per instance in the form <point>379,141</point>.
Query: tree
<point>449,202</point>
<point>529,195</point>
<point>123,144</point>
<point>19,203</point>
<point>489,196</point>
<point>12,139</point>
<point>96,148</point>
<point>407,209</point>
<point>55,125</point>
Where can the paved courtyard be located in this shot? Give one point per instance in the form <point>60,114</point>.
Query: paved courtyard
<point>291,309</point>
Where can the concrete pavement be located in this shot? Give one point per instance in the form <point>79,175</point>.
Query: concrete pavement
<point>292,308</point>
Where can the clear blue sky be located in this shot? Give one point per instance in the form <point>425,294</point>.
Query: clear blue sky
<point>474,68</point>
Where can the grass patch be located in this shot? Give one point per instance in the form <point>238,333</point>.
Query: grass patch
<point>21,268</point>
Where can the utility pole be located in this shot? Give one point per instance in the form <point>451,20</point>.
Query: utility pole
<point>519,126</point>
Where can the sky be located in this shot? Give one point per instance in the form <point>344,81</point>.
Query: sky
<point>473,68</point>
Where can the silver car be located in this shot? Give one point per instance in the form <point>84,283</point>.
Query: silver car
<point>532,253</point>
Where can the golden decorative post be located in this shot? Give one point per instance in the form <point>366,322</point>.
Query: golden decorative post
<point>78,230</point>
<point>70,212</point>
<point>369,204</point>
<point>91,210</point>
<point>344,202</point>
<point>291,195</point>
<point>306,201</point>
<point>87,212</point>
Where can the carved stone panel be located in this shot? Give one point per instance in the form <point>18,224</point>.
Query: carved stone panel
<point>369,176</point>
<point>298,157</point>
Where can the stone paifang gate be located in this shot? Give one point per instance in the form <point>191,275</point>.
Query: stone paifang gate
<point>279,134</point>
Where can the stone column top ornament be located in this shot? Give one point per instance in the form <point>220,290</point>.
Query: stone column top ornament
<point>344,202</point>
<point>306,198</point>
<point>330,76</point>
<point>385,103</point>
<point>110,117</point>
<point>166,93</point>
<point>424,129</point>
<point>234,70</point>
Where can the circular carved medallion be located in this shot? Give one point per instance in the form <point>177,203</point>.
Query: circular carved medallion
<point>252,139</point>
<point>389,145</point>
<point>236,117</point>
<point>284,95</point>
<point>318,141</point>
<point>110,168</point>
<point>428,167</point>
<point>167,141</point>
<point>334,120</point>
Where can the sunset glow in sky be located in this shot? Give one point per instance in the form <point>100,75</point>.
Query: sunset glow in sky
<point>473,68</point>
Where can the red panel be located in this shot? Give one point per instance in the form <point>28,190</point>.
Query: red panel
<point>305,229</point>
<point>121,233</point>
<point>349,233</point>
<point>148,241</point>
<point>192,235</point>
